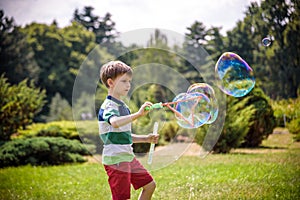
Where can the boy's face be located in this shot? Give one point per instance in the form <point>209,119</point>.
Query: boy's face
<point>121,85</point>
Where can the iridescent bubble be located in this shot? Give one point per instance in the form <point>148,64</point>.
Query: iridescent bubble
<point>266,41</point>
<point>235,75</point>
<point>206,89</point>
<point>193,109</point>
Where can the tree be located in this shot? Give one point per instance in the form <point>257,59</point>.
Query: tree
<point>279,63</point>
<point>16,57</point>
<point>200,42</point>
<point>240,40</point>
<point>103,28</point>
<point>18,106</point>
<point>60,109</point>
<point>59,53</point>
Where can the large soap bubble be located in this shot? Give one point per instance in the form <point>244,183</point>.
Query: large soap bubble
<point>235,75</point>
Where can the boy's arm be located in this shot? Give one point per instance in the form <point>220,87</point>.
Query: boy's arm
<point>151,138</point>
<point>116,121</point>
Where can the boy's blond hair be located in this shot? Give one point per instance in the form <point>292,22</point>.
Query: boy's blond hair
<point>112,70</point>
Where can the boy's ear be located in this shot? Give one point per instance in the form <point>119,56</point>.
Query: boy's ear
<point>110,82</point>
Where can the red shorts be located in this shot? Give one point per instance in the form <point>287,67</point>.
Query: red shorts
<point>122,175</point>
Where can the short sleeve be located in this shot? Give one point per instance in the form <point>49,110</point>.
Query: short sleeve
<point>109,111</point>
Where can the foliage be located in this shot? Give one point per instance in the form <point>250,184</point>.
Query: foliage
<point>249,120</point>
<point>60,109</point>
<point>169,130</point>
<point>286,110</point>
<point>235,127</point>
<point>41,151</point>
<point>19,103</point>
<point>52,57</point>
<point>86,132</point>
<point>16,57</point>
<point>294,128</point>
<point>59,53</point>
<point>277,65</point>
<point>65,129</point>
<point>103,28</point>
<point>262,122</point>
<point>84,105</point>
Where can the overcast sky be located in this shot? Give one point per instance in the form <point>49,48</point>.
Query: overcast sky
<point>133,14</point>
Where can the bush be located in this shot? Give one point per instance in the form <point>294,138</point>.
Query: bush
<point>169,130</point>
<point>262,122</point>
<point>65,129</point>
<point>85,131</point>
<point>249,120</point>
<point>41,151</point>
<point>18,106</point>
<point>60,109</point>
<point>286,110</point>
<point>294,128</point>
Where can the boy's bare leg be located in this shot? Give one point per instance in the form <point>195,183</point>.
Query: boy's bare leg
<point>147,191</point>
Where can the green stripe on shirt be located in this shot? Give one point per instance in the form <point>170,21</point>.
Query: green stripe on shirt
<point>116,138</point>
<point>111,160</point>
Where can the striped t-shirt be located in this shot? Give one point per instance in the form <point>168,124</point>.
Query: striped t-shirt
<point>117,141</point>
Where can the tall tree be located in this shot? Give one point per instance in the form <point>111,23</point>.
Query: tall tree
<point>16,57</point>
<point>278,19</point>
<point>59,53</point>
<point>199,44</point>
<point>103,27</point>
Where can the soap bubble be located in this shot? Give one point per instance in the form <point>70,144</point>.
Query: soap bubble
<point>206,89</point>
<point>192,109</point>
<point>235,75</point>
<point>266,41</point>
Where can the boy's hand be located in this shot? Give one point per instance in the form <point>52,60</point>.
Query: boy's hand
<point>142,111</point>
<point>153,138</point>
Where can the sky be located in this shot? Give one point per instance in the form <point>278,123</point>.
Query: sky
<point>129,15</point>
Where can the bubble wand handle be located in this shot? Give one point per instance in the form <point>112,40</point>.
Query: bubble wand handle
<point>155,129</point>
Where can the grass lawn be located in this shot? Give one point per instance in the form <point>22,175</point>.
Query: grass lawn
<point>270,173</point>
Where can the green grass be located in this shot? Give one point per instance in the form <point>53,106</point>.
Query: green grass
<point>232,176</point>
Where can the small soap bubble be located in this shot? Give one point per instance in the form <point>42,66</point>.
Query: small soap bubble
<point>266,41</point>
<point>235,75</point>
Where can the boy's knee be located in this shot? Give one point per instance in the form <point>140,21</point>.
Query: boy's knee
<point>150,186</point>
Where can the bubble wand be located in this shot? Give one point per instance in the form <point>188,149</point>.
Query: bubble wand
<point>155,129</point>
<point>169,105</point>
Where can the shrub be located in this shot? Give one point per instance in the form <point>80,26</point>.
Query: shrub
<point>60,109</point>
<point>18,106</point>
<point>248,121</point>
<point>294,128</point>
<point>65,129</point>
<point>41,151</point>
<point>85,131</point>
<point>286,110</point>
<point>262,122</point>
<point>235,129</point>
<point>169,130</point>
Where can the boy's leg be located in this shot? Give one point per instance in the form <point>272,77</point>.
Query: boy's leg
<point>119,180</point>
<point>147,191</point>
<point>140,178</point>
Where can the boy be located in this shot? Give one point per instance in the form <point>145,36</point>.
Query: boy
<point>121,166</point>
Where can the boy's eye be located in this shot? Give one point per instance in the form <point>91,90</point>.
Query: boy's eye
<point>125,81</point>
